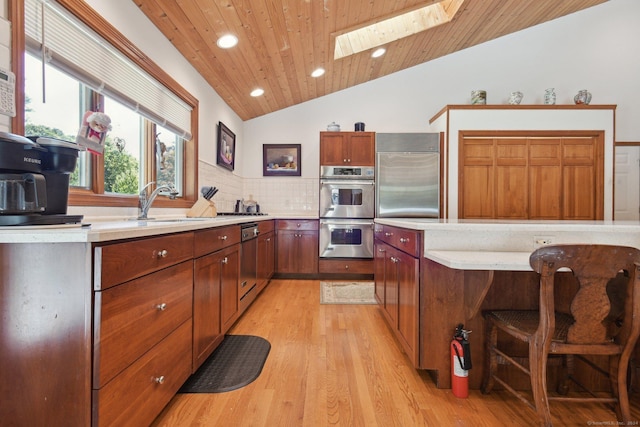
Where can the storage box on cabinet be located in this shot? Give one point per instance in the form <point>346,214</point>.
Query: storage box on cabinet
<point>119,262</point>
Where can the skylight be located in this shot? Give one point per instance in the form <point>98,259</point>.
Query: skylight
<point>395,28</point>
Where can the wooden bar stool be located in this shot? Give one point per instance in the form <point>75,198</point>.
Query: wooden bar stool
<point>604,319</point>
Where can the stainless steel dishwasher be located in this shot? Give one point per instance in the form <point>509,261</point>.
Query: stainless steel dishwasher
<point>248,260</point>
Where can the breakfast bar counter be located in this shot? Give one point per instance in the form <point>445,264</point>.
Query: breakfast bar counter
<point>468,266</point>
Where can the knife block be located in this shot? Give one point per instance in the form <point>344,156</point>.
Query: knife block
<point>202,208</point>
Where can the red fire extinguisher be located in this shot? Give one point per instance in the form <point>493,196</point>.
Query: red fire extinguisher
<point>460,362</point>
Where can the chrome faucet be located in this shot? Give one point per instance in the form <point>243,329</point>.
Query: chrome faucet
<point>144,201</point>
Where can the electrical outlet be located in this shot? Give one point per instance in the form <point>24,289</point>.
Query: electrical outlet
<point>541,241</point>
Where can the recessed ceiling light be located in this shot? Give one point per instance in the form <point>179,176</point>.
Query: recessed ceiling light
<point>378,52</point>
<point>317,72</point>
<point>227,41</point>
<point>257,92</point>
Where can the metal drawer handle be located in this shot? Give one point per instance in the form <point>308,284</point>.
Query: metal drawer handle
<point>161,307</point>
<point>394,259</point>
<point>159,380</point>
<point>225,260</point>
<point>380,250</point>
<point>346,267</point>
<point>162,253</point>
<point>404,240</point>
<point>222,237</point>
<point>388,234</point>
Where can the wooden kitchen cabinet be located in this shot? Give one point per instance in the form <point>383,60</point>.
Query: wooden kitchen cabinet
<point>551,177</point>
<point>297,246</point>
<point>215,288</point>
<point>266,253</point>
<point>347,148</point>
<point>397,284</point>
<point>142,327</point>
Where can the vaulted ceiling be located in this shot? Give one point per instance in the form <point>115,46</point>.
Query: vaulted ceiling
<point>282,41</point>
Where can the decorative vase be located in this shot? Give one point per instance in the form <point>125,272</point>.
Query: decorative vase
<point>549,96</point>
<point>478,97</point>
<point>515,98</point>
<point>583,97</point>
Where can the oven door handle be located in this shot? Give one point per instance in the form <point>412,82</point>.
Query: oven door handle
<point>346,182</point>
<point>346,223</point>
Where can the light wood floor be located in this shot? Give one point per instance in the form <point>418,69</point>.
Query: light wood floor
<point>340,365</point>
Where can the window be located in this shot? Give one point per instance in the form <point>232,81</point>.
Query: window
<point>151,128</point>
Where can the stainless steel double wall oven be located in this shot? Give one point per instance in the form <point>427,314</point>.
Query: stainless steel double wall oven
<point>347,209</point>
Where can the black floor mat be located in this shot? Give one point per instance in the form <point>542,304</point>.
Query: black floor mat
<point>235,363</point>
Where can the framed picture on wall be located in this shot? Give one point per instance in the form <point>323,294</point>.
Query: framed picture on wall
<point>226,156</point>
<point>281,160</point>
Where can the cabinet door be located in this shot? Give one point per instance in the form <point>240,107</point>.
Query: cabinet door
<point>555,177</point>
<point>408,303</point>
<point>307,251</point>
<point>297,251</point>
<point>361,149</point>
<point>511,178</point>
<point>477,198</point>
<point>207,332</point>
<point>229,276</point>
<point>545,179</point>
<point>286,247</point>
<point>266,259</point>
<point>332,148</point>
<point>379,271</point>
<point>391,286</point>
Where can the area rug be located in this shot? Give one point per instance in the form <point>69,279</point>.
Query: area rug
<point>347,293</point>
<point>236,362</point>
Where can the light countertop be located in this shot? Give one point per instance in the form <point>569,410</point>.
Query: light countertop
<point>476,260</point>
<point>506,245</point>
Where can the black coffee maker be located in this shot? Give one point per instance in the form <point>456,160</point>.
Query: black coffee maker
<point>34,181</point>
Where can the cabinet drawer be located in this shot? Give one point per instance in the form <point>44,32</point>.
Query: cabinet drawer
<point>121,262</point>
<point>138,394</point>
<point>297,224</point>
<point>214,239</point>
<point>408,241</point>
<point>132,317</point>
<point>349,266</point>
<point>383,233</point>
<point>266,226</point>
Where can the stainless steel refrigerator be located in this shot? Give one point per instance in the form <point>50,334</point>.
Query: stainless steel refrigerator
<point>407,175</point>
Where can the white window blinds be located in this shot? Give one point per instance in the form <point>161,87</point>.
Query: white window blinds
<point>77,50</point>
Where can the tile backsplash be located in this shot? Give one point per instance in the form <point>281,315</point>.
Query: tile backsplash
<point>275,195</point>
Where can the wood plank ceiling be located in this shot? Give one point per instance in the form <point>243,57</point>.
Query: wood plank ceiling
<point>282,41</point>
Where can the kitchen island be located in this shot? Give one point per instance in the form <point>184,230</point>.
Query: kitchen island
<point>467,266</point>
<point>102,323</point>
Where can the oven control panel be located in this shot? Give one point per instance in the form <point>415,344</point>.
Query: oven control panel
<point>350,172</point>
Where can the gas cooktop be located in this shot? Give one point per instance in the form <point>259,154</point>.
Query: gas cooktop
<point>242,213</point>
